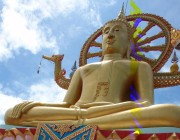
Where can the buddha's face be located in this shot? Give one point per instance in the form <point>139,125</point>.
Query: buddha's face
<point>115,38</point>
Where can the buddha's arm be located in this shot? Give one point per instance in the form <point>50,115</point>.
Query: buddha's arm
<point>144,82</point>
<point>70,98</point>
<point>75,88</point>
<point>27,105</point>
<point>33,104</point>
<point>102,110</point>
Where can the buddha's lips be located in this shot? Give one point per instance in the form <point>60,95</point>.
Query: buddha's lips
<point>111,50</point>
<point>110,41</point>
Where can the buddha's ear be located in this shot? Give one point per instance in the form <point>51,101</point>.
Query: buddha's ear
<point>128,50</point>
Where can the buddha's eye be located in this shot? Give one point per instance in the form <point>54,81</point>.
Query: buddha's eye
<point>116,30</point>
<point>106,32</point>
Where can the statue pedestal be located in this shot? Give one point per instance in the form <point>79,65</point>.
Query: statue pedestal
<point>86,132</point>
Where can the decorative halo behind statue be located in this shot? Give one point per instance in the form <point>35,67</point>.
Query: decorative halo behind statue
<point>142,45</point>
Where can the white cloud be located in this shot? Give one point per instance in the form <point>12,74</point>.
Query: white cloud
<point>111,3</point>
<point>49,8</point>
<point>105,3</point>
<point>94,18</point>
<point>20,29</point>
<point>23,27</point>
<point>5,52</point>
<point>7,102</point>
<point>46,91</point>
<point>73,31</point>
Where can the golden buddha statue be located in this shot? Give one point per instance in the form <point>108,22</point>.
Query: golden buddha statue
<point>101,93</point>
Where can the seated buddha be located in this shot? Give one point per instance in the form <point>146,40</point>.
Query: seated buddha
<point>114,93</point>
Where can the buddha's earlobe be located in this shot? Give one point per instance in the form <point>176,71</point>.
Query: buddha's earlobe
<point>128,52</point>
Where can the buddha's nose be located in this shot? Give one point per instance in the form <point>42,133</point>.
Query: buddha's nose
<point>110,36</point>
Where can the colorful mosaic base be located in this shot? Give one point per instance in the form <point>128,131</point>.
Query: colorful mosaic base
<point>97,134</point>
<point>17,134</point>
<point>65,132</point>
<point>130,135</point>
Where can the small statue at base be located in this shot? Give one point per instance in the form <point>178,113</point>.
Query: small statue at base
<point>114,93</point>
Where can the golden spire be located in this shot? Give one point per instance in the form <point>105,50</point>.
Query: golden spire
<point>174,67</point>
<point>175,58</point>
<point>121,15</point>
<point>122,18</point>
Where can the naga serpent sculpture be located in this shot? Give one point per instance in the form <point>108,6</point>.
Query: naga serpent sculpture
<point>59,73</point>
<point>142,45</point>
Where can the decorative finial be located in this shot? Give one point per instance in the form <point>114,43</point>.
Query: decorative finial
<point>121,14</point>
<point>175,58</point>
<point>174,67</point>
<point>74,68</point>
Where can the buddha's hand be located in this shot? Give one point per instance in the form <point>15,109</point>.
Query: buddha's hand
<point>23,108</point>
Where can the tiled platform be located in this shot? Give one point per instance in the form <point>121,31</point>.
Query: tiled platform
<point>87,132</point>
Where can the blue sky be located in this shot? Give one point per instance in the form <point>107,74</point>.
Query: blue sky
<point>30,29</point>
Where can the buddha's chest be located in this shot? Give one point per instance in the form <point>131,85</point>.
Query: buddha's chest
<point>116,71</point>
<point>109,80</point>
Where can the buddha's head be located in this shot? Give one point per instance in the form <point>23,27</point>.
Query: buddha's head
<point>116,36</point>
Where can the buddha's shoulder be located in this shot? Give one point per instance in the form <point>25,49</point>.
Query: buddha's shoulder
<point>91,66</point>
<point>132,63</point>
<point>143,63</point>
<point>138,64</point>
<point>144,66</point>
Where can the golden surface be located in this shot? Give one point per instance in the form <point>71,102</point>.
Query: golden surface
<point>101,93</point>
<point>175,37</point>
<point>174,68</point>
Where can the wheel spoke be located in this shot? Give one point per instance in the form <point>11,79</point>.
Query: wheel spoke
<point>144,31</point>
<point>89,55</point>
<point>149,39</point>
<point>96,44</point>
<point>148,60</point>
<point>150,48</point>
<point>143,58</point>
